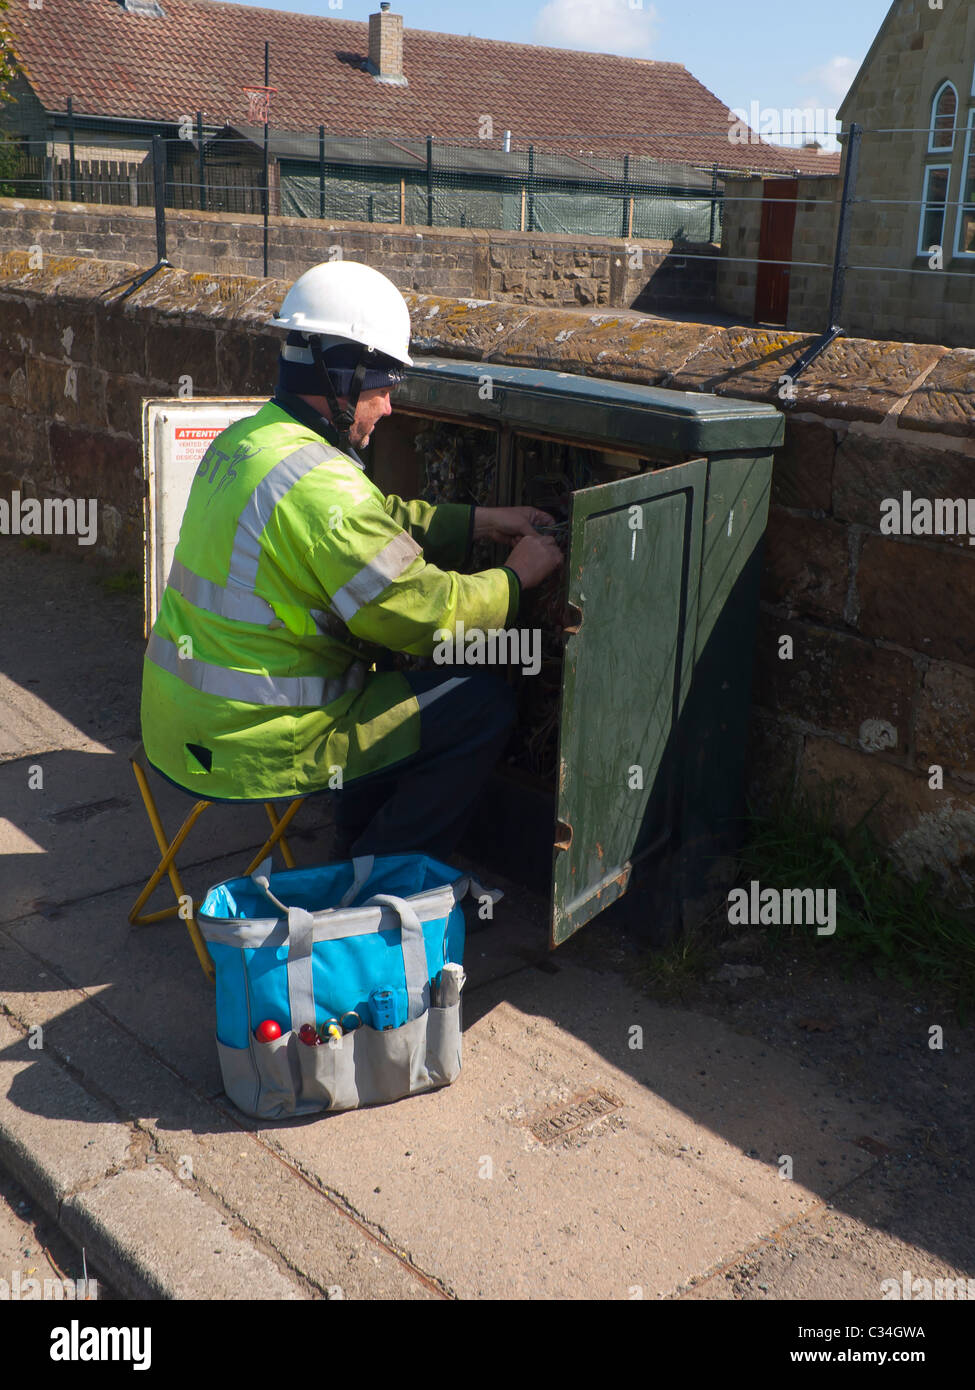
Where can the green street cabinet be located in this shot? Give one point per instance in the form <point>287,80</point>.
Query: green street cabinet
<point>624,783</point>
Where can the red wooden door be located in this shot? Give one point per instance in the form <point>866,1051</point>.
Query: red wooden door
<point>775,244</point>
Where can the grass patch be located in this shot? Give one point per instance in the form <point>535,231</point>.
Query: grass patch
<point>671,972</point>
<point>899,927</point>
<point>124,582</point>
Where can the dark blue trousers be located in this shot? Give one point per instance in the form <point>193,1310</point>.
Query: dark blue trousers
<point>423,805</point>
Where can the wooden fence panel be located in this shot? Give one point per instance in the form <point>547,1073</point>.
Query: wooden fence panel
<point>105,181</point>
<point>234,188</point>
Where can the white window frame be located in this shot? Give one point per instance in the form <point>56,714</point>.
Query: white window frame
<point>933,128</point>
<point>930,169</point>
<point>962,205</point>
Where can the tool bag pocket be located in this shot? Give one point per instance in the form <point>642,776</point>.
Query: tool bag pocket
<point>370,969</point>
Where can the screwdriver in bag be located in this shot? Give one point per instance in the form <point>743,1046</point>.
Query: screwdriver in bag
<point>450,983</point>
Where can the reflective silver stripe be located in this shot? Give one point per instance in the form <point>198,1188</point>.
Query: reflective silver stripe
<point>214,598</point>
<point>237,599</point>
<point>249,687</point>
<point>373,578</point>
<point>354,679</point>
<point>246,553</point>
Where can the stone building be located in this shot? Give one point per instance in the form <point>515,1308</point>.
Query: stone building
<point>912,228</point>
<point>914,96</point>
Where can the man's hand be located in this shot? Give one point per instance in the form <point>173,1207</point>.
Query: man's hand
<point>534,558</point>
<point>508,523</point>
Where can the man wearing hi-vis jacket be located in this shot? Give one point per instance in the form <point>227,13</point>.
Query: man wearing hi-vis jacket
<point>292,568</point>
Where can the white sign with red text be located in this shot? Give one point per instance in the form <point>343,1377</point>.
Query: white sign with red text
<point>176,434</point>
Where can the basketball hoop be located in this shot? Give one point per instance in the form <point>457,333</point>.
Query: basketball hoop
<point>259,104</point>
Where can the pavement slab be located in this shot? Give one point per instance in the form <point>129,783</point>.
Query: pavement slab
<point>149,1113</point>
<point>165,1241</point>
<point>156,1235</point>
<point>54,1134</point>
<point>85,831</point>
<point>677,1168</point>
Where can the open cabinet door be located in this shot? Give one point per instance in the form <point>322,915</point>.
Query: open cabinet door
<point>634,570</point>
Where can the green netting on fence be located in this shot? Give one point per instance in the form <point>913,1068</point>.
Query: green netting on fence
<point>676,219</point>
<point>395,179</point>
<point>464,203</point>
<point>389,181</point>
<point>372,196</point>
<point>348,196</point>
<point>369,196</point>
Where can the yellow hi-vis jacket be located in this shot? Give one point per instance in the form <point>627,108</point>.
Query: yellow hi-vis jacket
<point>291,568</point>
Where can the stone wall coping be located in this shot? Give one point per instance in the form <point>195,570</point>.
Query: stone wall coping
<point>906,386</point>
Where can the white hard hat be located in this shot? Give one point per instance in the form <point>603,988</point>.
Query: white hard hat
<point>345,301</point>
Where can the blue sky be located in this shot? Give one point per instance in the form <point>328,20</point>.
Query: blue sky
<point>746,51</point>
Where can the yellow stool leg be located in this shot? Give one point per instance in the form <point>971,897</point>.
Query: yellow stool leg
<point>286,854</point>
<point>167,865</point>
<point>279,827</point>
<point>199,944</point>
<point>168,851</point>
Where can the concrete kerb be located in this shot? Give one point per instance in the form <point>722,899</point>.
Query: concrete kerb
<point>149,1234</point>
<point>89,1118</point>
<point>167,1243</point>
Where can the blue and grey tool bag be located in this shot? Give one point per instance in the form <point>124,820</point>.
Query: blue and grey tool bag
<point>368,953</point>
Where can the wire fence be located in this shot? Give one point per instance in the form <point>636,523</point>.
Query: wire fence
<point>388,179</point>
<point>773,232</point>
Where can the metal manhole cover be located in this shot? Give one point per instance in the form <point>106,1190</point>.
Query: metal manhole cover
<point>559,1120</point>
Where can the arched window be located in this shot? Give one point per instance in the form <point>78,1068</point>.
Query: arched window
<point>944,108</point>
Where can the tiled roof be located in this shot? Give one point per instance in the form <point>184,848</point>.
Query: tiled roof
<point>202,53</point>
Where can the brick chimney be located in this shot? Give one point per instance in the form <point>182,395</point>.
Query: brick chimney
<point>386,46</point>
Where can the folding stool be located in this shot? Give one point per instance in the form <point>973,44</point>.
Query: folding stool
<point>170,848</point>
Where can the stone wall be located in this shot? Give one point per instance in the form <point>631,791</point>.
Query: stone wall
<point>515,267</point>
<point>878,695</point>
<point>813,246</point>
<point>741,223</point>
